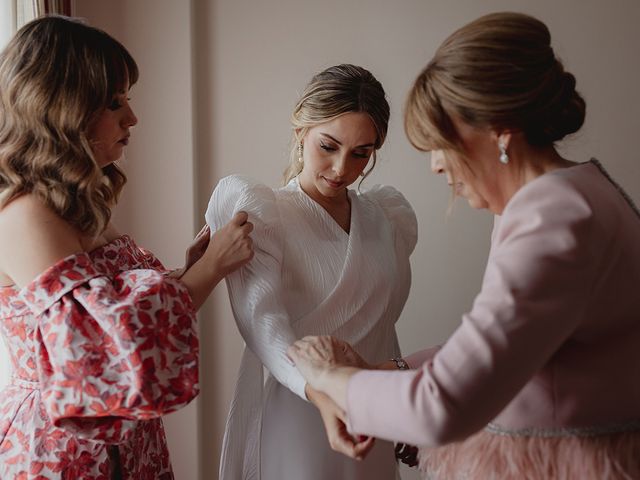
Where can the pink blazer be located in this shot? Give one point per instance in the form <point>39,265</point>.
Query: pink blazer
<point>552,342</point>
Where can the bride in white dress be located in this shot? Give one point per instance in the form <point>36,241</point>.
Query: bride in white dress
<point>328,261</point>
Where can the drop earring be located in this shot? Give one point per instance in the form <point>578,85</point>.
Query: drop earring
<point>300,150</point>
<point>504,158</point>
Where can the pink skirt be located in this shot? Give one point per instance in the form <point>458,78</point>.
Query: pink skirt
<point>494,455</point>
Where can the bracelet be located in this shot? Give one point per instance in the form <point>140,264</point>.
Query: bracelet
<point>401,363</point>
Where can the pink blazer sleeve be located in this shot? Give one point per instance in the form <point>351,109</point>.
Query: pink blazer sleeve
<point>539,270</point>
<point>417,359</point>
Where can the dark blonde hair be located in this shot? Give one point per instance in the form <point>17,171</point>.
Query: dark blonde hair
<point>334,92</point>
<point>56,76</point>
<point>498,71</point>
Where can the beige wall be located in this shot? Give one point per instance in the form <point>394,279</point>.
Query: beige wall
<point>157,206</point>
<point>7,21</point>
<point>6,30</point>
<point>219,79</point>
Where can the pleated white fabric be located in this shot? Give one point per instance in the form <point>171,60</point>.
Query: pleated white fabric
<point>308,277</point>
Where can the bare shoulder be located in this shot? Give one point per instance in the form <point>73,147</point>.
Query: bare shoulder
<point>32,238</point>
<point>111,233</point>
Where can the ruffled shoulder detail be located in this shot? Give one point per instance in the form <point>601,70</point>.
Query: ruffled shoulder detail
<point>110,260</point>
<point>398,211</point>
<point>57,280</point>
<point>239,193</point>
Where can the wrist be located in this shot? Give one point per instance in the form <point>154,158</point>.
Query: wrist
<point>335,384</point>
<point>209,269</point>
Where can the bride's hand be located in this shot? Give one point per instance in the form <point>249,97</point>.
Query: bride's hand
<point>334,419</point>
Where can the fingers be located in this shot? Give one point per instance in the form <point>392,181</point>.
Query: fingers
<point>341,441</point>
<point>299,355</point>
<point>240,218</point>
<point>363,447</point>
<point>298,346</point>
<point>344,444</point>
<point>292,353</point>
<point>318,342</point>
<point>308,348</point>
<point>204,230</point>
<point>202,238</point>
<point>330,351</point>
<point>246,228</point>
<point>197,247</point>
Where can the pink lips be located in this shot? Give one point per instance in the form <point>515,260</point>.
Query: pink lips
<point>332,183</point>
<point>124,141</point>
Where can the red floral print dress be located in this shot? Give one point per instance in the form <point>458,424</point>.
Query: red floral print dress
<point>102,344</point>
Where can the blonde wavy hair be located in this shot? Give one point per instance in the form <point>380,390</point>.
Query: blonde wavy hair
<point>334,92</point>
<point>56,76</point>
<point>500,72</point>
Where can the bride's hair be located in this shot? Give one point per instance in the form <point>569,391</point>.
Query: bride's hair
<point>334,92</point>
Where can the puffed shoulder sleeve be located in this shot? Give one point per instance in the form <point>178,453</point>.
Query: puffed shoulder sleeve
<point>255,289</point>
<point>112,348</point>
<point>238,193</point>
<point>399,212</point>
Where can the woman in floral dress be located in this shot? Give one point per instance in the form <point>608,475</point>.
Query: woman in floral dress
<point>102,337</point>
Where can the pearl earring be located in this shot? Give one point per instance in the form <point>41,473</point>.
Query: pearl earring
<point>504,158</point>
<point>300,150</point>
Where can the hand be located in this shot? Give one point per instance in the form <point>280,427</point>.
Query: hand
<point>407,454</point>
<point>198,247</point>
<point>350,357</point>
<point>334,420</point>
<point>317,356</point>
<point>194,251</point>
<point>231,246</point>
<point>226,250</point>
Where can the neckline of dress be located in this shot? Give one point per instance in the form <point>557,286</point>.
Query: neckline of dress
<point>324,213</point>
<point>122,238</point>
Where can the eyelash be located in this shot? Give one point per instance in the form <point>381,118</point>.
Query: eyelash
<point>327,148</point>
<point>115,104</point>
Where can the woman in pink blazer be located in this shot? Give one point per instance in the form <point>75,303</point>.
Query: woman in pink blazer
<point>542,377</point>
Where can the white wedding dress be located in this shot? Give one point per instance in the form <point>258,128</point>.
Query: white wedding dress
<point>308,277</point>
